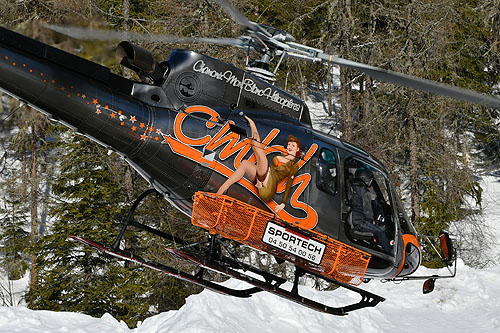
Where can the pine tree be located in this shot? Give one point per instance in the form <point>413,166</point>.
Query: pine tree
<point>74,278</point>
<point>23,174</point>
<point>14,239</point>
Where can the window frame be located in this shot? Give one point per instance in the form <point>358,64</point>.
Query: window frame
<point>335,177</point>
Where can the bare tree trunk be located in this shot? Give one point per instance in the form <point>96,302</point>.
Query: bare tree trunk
<point>34,201</point>
<point>346,100</point>
<point>367,97</point>
<point>413,144</point>
<point>125,9</point>
<point>346,77</point>
<point>368,81</point>
<point>330,97</point>
<point>415,212</point>
<point>329,49</point>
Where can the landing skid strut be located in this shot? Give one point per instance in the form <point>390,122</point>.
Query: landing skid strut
<point>208,255</point>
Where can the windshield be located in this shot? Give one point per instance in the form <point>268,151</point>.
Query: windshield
<point>404,221</point>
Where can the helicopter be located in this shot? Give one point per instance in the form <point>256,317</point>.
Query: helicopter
<point>184,128</point>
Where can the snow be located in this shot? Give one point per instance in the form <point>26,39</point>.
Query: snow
<point>20,319</point>
<point>491,212</point>
<point>449,308</point>
<point>469,302</point>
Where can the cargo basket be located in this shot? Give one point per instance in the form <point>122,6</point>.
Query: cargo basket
<point>246,224</point>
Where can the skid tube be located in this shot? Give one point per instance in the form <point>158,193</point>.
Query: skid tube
<point>196,279</point>
<point>273,284</point>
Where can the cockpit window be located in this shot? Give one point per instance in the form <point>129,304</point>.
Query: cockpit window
<point>382,184</point>
<point>370,219</point>
<point>326,178</point>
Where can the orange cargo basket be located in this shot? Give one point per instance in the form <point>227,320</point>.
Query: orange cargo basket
<point>246,224</point>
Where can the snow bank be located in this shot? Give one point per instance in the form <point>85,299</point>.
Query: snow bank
<point>491,212</point>
<point>20,319</point>
<point>470,302</point>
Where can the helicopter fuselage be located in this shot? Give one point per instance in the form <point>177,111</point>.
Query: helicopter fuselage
<point>180,136</point>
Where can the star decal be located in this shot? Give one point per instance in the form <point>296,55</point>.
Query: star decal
<point>98,112</point>
<point>165,138</point>
<point>143,137</point>
<point>132,119</point>
<point>113,115</point>
<point>134,128</point>
<point>95,101</point>
<point>142,125</point>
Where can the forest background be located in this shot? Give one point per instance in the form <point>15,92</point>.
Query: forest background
<point>54,183</point>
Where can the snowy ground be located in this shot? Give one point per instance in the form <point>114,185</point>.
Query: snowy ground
<point>469,302</point>
<point>491,213</point>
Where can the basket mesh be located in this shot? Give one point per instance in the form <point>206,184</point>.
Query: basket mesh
<point>244,223</point>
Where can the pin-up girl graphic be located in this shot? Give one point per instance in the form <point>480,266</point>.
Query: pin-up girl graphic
<point>266,178</point>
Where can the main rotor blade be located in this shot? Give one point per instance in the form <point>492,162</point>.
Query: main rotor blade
<point>415,82</point>
<point>240,19</point>
<point>235,14</point>
<point>109,35</point>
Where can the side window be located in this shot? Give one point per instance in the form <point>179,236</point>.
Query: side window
<point>326,177</point>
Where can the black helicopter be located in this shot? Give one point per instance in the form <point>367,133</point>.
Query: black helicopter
<point>182,128</point>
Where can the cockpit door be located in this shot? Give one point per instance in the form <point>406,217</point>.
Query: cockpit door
<point>368,208</point>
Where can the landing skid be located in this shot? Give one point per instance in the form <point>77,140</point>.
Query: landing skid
<point>209,255</point>
<point>221,265</point>
<point>195,279</point>
<point>226,266</point>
